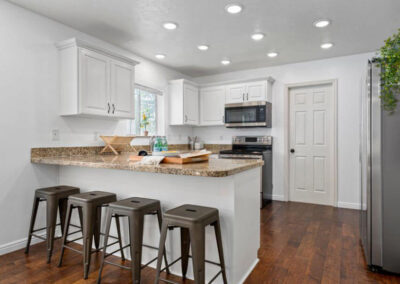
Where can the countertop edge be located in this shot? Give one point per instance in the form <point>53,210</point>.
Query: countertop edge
<point>142,168</point>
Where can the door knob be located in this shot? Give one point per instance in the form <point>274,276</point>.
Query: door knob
<point>291,150</point>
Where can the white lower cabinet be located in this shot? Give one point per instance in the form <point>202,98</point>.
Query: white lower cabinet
<point>95,82</point>
<point>212,105</point>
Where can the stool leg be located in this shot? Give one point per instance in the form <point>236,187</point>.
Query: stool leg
<point>185,246</point>
<point>51,216</point>
<point>197,240</point>
<point>89,219</point>
<point>97,227</point>
<point>80,217</point>
<point>65,233</point>
<point>217,229</point>
<point>161,248</point>
<point>62,206</point>
<point>32,224</point>
<point>106,234</point>
<point>136,240</point>
<point>117,222</point>
<point>159,218</point>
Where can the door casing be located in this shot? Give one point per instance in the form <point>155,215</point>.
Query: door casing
<point>286,138</point>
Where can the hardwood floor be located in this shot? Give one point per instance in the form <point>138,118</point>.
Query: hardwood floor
<point>300,243</point>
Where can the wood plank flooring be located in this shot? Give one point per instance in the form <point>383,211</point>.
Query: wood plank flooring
<point>300,243</point>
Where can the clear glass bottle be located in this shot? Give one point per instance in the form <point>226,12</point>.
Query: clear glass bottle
<point>164,144</point>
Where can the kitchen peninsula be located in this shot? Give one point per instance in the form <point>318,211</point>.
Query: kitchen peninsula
<point>231,186</point>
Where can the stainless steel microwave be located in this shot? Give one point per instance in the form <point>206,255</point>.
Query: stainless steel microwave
<point>248,114</point>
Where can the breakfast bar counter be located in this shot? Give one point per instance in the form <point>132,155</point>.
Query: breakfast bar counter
<point>231,186</point>
<point>213,168</point>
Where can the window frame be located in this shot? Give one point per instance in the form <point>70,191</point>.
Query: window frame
<point>156,93</point>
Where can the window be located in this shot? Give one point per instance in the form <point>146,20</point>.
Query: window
<point>145,111</point>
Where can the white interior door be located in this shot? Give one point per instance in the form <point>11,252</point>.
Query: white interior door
<point>311,144</point>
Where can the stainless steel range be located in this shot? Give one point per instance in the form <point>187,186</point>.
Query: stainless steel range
<point>254,147</point>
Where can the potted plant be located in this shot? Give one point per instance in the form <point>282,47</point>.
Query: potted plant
<point>389,61</point>
<point>144,123</point>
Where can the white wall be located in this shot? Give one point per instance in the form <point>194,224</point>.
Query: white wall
<point>29,93</point>
<point>349,72</point>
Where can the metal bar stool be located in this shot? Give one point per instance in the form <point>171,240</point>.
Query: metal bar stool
<point>89,205</point>
<point>135,209</point>
<point>56,198</point>
<point>192,220</point>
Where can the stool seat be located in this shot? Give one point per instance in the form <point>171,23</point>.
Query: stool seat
<point>137,204</point>
<point>62,191</point>
<point>96,197</point>
<point>191,213</point>
<point>192,221</point>
<point>56,198</point>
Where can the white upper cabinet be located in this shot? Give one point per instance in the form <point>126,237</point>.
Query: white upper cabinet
<point>247,92</point>
<point>95,82</point>
<point>183,102</point>
<point>122,83</point>
<point>235,93</point>
<point>212,105</point>
<point>256,91</point>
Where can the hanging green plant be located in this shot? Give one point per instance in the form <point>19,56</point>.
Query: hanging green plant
<point>390,75</point>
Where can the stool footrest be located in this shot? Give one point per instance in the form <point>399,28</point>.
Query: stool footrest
<point>180,258</point>
<point>117,250</point>
<point>39,237</point>
<point>116,264</point>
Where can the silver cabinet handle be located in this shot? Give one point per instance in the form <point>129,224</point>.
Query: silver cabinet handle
<point>108,104</point>
<point>113,105</point>
<point>186,119</point>
<point>247,96</point>
<point>243,97</point>
<point>223,118</point>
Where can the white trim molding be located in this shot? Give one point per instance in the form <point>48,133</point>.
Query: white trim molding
<point>349,205</point>
<point>286,121</point>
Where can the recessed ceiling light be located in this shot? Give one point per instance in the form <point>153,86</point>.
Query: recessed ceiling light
<point>203,47</point>
<point>321,23</point>
<point>160,56</point>
<point>326,45</point>
<point>225,62</point>
<point>272,54</point>
<point>170,26</point>
<point>234,8</point>
<point>257,36</point>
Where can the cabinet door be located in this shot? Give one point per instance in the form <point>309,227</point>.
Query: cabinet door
<point>190,105</point>
<point>256,91</point>
<point>122,89</point>
<point>235,93</point>
<point>212,105</point>
<point>94,83</point>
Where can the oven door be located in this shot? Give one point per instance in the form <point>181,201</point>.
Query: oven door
<point>250,114</point>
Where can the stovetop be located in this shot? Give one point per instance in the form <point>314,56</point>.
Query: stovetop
<point>240,152</point>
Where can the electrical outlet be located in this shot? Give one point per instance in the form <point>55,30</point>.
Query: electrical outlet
<point>221,138</point>
<point>55,135</point>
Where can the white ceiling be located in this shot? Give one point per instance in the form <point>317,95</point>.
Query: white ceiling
<point>357,26</point>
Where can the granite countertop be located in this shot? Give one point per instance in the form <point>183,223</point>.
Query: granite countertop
<point>213,168</point>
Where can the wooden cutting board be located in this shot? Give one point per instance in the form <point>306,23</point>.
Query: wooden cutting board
<point>175,160</point>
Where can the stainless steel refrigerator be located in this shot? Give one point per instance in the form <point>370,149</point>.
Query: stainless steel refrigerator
<point>380,178</point>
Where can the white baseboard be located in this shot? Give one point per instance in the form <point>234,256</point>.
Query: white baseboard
<point>349,205</point>
<point>249,271</point>
<point>276,197</point>
<point>21,243</point>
